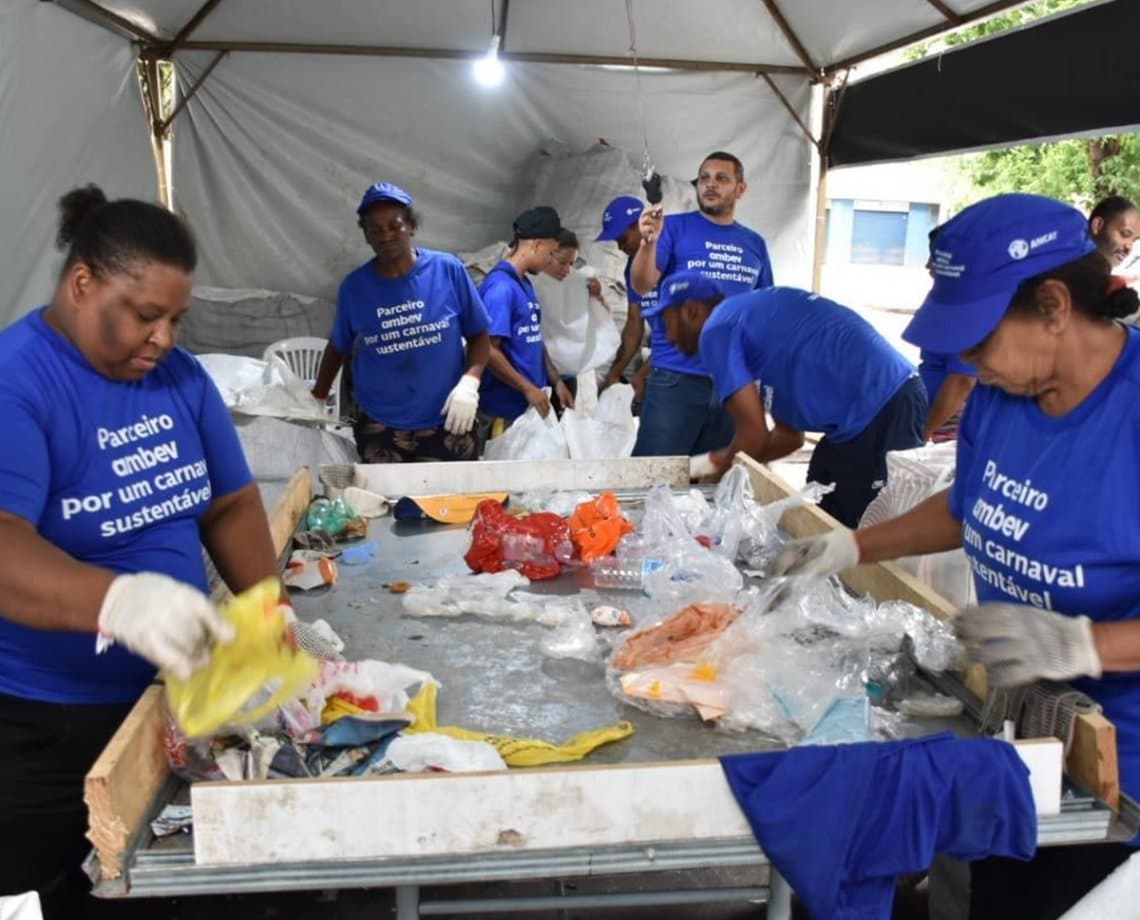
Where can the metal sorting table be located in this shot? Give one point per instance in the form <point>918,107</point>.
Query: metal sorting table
<point>494,678</point>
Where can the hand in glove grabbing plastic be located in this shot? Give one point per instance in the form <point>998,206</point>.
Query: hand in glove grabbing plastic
<point>1020,644</point>
<point>702,466</point>
<point>461,405</point>
<point>827,554</point>
<point>165,621</point>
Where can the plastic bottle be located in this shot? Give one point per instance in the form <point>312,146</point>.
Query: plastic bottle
<point>622,574</point>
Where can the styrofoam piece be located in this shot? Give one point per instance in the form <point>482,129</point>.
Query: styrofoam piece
<point>1044,758</point>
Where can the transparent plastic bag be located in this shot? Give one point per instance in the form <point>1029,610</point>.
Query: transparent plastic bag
<point>530,437</point>
<point>691,573</point>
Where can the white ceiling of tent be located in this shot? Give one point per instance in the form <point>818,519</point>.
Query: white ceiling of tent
<point>737,31</point>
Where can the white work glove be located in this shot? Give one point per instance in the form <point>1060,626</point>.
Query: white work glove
<point>701,466</point>
<point>828,554</point>
<point>167,622</point>
<point>461,405</point>
<point>1019,644</point>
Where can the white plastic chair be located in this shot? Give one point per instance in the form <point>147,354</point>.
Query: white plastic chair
<point>303,356</point>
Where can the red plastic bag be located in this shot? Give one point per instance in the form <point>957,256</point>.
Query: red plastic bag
<point>533,544</point>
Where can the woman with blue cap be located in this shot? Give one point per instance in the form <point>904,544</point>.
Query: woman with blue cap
<point>1044,498</point>
<point>415,329</point>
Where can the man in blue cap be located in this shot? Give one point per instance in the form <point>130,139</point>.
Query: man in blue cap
<point>681,413</point>
<point>1043,499</point>
<point>619,225</point>
<point>815,366</point>
<point>417,334</point>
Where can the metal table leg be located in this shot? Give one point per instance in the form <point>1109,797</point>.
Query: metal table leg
<point>408,902</point>
<point>779,896</point>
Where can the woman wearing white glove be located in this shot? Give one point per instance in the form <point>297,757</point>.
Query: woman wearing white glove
<point>416,331</point>
<point>120,463</point>
<point>1044,497</point>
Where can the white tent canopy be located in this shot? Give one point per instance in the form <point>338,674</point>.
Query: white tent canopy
<point>314,101</point>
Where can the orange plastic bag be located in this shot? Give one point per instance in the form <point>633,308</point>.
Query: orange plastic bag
<point>597,526</point>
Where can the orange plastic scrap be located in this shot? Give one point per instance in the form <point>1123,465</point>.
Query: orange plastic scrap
<point>682,637</point>
<point>597,526</point>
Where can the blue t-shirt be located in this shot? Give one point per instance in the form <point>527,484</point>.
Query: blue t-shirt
<point>732,254</point>
<point>406,337</point>
<point>934,368</point>
<point>516,318</point>
<point>1051,516</point>
<point>115,474</point>
<point>820,366</point>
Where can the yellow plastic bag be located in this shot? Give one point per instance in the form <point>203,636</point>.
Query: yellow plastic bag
<point>248,678</point>
<point>516,752</point>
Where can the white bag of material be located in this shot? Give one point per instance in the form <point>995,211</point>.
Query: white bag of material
<point>1113,899</point>
<point>578,332</point>
<point>531,437</point>
<point>606,433</point>
<point>912,477</point>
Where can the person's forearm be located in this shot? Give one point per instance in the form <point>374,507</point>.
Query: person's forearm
<point>478,354</point>
<point>503,370</point>
<point>643,271</point>
<point>948,401</point>
<point>43,587</point>
<point>631,335</point>
<point>235,532</point>
<point>552,372</point>
<point>1118,645</point>
<point>331,361</point>
<point>763,447</point>
<point>927,528</point>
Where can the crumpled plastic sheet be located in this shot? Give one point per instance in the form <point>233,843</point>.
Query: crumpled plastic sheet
<point>441,753</point>
<point>492,596</point>
<point>821,667</point>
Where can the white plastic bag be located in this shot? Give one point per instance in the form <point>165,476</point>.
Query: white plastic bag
<point>609,431</point>
<point>531,437</point>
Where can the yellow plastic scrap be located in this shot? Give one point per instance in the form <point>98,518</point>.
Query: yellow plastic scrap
<point>516,752</point>
<point>247,679</point>
<point>337,707</point>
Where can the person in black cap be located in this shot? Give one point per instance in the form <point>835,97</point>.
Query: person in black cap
<point>417,332</point>
<point>1043,499</point>
<point>520,369</point>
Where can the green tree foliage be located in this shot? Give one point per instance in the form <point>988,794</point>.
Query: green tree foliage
<point>1081,170</point>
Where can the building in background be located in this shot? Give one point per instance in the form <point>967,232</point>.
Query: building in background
<point>878,220</point>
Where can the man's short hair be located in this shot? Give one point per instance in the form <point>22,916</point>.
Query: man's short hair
<point>1110,207</point>
<point>567,239</point>
<point>734,160</point>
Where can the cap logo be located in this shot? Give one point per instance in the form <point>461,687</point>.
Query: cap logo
<point>607,217</point>
<point>1018,249</point>
<point>632,210</point>
<point>678,286</point>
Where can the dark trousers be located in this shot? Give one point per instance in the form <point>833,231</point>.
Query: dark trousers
<point>681,416</point>
<point>1043,888</point>
<point>45,751</point>
<point>377,443</point>
<point>859,467</point>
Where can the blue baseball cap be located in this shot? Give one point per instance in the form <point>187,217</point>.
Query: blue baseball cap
<point>679,287</point>
<point>980,258</point>
<point>383,191</point>
<point>618,215</point>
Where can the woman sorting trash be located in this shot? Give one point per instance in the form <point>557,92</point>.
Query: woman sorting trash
<point>1044,495</point>
<point>404,317</point>
<point>119,464</point>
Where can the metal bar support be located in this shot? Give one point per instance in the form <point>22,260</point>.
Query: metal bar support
<point>408,902</point>
<point>590,901</point>
<point>185,100</point>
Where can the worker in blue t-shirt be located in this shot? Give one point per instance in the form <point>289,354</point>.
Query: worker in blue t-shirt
<point>620,226</point>
<point>948,381</point>
<point>416,331</point>
<point>681,413</point>
<point>520,371</point>
<point>120,463</point>
<point>815,366</point>
<point>1043,499</point>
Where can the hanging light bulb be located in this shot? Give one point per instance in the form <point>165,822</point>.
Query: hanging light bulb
<point>488,70</point>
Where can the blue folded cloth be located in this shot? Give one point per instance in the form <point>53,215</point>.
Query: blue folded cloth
<point>841,823</point>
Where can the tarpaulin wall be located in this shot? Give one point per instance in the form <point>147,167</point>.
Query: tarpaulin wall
<point>272,154</point>
<point>71,114</point>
